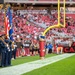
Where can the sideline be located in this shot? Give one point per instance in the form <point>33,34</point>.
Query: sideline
<point>27,67</point>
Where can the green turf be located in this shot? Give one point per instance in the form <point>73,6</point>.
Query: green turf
<point>63,67</point>
<point>21,60</point>
<point>25,59</point>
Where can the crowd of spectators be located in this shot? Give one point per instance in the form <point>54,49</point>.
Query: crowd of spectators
<point>49,0</point>
<point>26,25</point>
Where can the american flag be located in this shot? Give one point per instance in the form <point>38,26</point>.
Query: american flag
<point>8,24</point>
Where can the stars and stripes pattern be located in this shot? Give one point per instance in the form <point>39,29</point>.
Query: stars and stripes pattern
<point>8,24</point>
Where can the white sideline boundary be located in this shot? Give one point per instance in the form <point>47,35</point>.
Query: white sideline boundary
<point>27,67</point>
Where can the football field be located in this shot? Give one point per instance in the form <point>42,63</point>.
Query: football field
<point>62,67</point>
<point>54,65</point>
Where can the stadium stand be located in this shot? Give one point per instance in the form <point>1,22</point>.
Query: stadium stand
<point>30,23</point>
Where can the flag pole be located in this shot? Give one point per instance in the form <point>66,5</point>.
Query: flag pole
<point>4,18</point>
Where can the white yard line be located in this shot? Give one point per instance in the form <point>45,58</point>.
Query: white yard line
<point>23,68</point>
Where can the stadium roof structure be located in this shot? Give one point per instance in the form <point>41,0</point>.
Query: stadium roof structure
<point>38,2</point>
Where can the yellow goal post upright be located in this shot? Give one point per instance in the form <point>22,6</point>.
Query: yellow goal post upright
<point>59,25</point>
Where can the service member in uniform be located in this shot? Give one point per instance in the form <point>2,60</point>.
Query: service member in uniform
<point>14,49</point>
<point>10,53</point>
<point>3,51</point>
